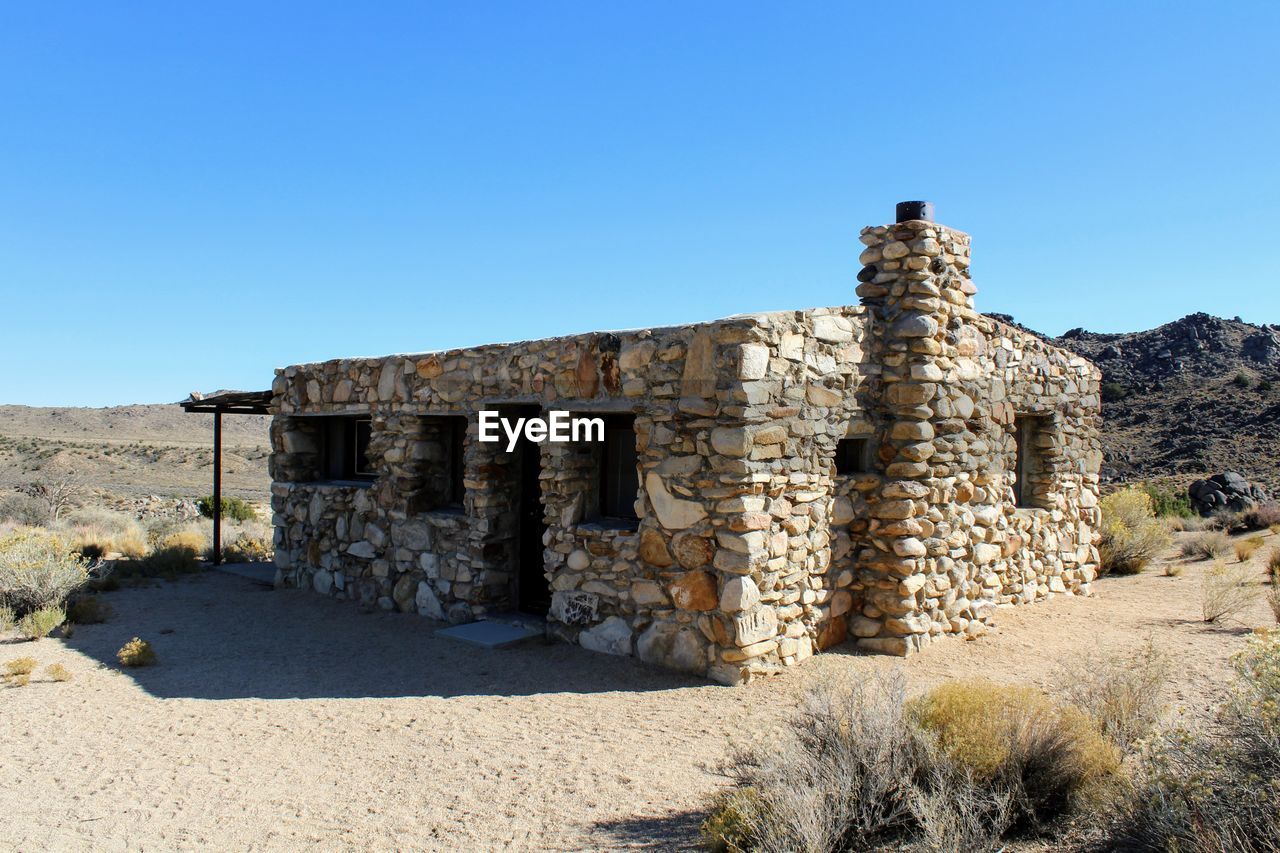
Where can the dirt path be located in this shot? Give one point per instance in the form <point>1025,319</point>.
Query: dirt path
<point>277,719</point>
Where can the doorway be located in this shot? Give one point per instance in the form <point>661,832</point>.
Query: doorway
<point>533,592</point>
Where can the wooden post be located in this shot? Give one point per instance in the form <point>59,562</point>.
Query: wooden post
<point>217,488</point>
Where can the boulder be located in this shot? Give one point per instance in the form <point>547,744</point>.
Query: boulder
<point>612,637</point>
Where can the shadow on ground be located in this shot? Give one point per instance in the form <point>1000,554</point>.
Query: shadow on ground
<point>223,637</point>
<point>677,831</point>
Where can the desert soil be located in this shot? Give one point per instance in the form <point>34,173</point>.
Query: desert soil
<point>277,719</point>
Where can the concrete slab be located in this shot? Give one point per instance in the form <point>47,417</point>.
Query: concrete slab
<point>261,572</point>
<point>490,635</point>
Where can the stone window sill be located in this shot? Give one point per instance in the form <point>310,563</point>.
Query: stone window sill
<point>445,515</point>
<point>326,484</point>
<point>600,528</point>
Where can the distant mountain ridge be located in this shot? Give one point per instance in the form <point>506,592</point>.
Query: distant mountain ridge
<point>1197,396</point>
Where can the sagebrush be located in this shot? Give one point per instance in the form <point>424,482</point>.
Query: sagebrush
<point>38,570</point>
<point>1131,535</point>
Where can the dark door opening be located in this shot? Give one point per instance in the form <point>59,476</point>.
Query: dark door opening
<point>533,593</point>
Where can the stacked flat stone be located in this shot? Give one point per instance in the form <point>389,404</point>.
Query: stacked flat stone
<point>945,544</point>
<point>751,552</point>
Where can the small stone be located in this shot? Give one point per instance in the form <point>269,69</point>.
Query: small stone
<point>739,593</point>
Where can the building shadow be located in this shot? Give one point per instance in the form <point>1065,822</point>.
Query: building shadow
<point>218,636</point>
<point>676,831</point>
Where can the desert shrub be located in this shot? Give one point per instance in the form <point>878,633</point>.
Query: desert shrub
<point>88,610</point>
<point>1131,534</point>
<point>96,532</point>
<point>1261,517</point>
<point>17,672</point>
<point>189,539</point>
<point>852,771</point>
<point>1218,788</point>
<point>1051,758</point>
<point>165,562</point>
<point>1224,519</point>
<point>7,618</point>
<point>1174,570</point>
<point>1167,501</point>
<point>23,510</point>
<point>177,551</point>
<point>253,543</point>
<point>136,652</point>
<point>58,672</point>
<point>235,509</point>
<point>40,623</point>
<point>20,666</point>
<point>1206,545</point>
<point>1242,381</point>
<point>1273,601</point>
<point>1226,590</point>
<point>1113,392</point>
<point>1246,548</point>
<point>38,570</point>
<point>1123,693</point>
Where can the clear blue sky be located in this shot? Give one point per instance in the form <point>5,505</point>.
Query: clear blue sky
<point>192,194</point>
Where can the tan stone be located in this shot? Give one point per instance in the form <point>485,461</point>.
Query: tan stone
<point>694,591</point>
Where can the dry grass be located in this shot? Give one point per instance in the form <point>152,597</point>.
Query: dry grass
<point>1207,545</point>
<point>1226,590</point>
<point>40,623</point>
<point>17,672</point>
<point>1123,693</point>
<point>1053,759</point>
<point>136,652</point>
<point>1273,601</point>
<point>88,610</point>
<point>1246,548</point>
<point>1273,565</point>
<point>58,672</point>
<point>1173,570</point>
<point>1213,789</point>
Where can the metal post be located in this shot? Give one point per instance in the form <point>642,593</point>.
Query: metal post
<point>217,488</point>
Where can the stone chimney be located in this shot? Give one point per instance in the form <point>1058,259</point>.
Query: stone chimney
<point>915,283</point>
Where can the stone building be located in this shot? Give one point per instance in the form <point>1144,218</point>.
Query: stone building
<point>769,485</point>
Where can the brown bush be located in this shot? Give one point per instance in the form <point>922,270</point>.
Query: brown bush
<point>88,610</point>
<point>1261,517</point>
<point>1226,590</point>
<point>1053,759</point>
<point>58,672</point>
<point>136,652</point>
<point>1124,693</point>
<point>1246,548</point>
<point>1209,545</point>
<point>851,771</point>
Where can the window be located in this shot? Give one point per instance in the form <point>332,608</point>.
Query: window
<point>346,448</point>
<point>853,456</point>
<point>1030,436</point>
<point>618,481</point>
<point>457,438</point>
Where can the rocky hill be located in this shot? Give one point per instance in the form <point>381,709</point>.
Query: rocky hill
<point>1193,397</point>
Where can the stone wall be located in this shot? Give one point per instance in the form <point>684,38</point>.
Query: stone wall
<point>749,552</point>
<point>945,543</point>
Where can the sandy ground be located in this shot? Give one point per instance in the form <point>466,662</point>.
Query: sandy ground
<point>276,720</point>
